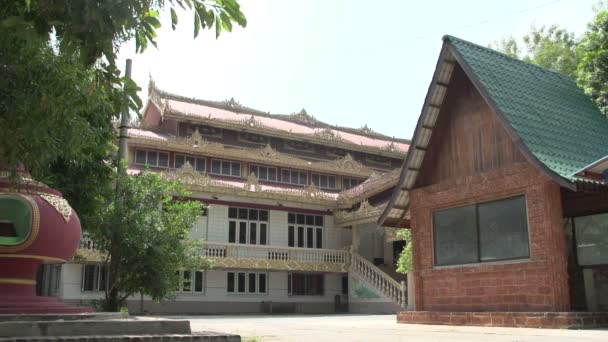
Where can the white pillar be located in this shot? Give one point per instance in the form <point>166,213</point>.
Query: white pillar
<point>410,291</point>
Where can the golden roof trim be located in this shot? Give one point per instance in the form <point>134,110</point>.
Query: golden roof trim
<point>196,144</point>
<point>196,181</point>
<point>320,136</point>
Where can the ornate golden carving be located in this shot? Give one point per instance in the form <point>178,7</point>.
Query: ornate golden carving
<point>188,176</point>
<point>252,183</point>
<point>313,192</point>
<point>270,153</point>
<point>288,265</point>
<point>365,213</point>
<point>251,122</point>
<point>305,118</point>
<point>342,166</point>
<point>328,134</point>
<point>60,204</point>
<point>322,136</point>
<point>197,181</point>
<point>391,147</point>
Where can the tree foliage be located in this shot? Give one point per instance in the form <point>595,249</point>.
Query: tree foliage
<point>593,68</point>
<point>551,47</point>
<point>60,88</point>
<point>405,261</point>
<point>143,232</point>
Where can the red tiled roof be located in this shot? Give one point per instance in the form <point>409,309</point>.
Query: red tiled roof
<point>205,111</point>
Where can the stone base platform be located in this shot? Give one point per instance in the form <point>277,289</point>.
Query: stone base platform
<point>551,320</point>
<point>101,327</point>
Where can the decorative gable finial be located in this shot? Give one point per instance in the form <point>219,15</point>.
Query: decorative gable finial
<point>196,138</point>
<point>252,183</point>
<point>312,191</point>
<point>303,117</point>
<point>328,134</point>
<point>269,152</point>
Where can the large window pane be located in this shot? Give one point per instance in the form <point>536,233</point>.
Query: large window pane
<point>309,237</point>
<point>200,164</point>
<point>503,229</point>
<point>216,166</point>
<point>152,158</point>
<point>252,282</point>
<point>198,281</point>
<point>241,282</point>
<point>186,281</point>
<point>163,159</point>
<point>285,176</point>
<point>290,236</point>
<point>592,239</point>
<point>262,285</point>
<point>300,236</point>
<point>253,233</point>
<point>272,174</point>
<point>179,161</point>
<point>455,232</point>
<point>319,242</point>
<point>230,281</point>
<point>226,168</point>
<point>263,234</point>
<point>140,156</point>
<point>232,231</point>
<point>242,232</point>
<point>236,169</point>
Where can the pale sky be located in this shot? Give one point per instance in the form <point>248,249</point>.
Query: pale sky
<point>347,62</point>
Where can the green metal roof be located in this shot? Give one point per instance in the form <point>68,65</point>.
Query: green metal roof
<point>555,119</point>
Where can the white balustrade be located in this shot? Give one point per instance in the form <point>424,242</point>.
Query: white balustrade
<point>87,243</point>
<point>265,252</point>
<point>392,289</point>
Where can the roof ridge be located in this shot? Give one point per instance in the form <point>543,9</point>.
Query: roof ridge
<point>448,37</point>
<point>234,106</point>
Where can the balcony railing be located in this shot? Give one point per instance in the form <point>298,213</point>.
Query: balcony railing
<point>232,255</point>
<point>87,243</point>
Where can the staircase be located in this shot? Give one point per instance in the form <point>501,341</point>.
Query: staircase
<point>384,283</point>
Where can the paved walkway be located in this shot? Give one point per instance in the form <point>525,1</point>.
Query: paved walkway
<point>383,328</point>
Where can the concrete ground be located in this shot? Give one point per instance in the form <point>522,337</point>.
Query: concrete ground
<point>383,328</point>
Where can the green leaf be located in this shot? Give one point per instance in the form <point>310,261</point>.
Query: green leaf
<point>218,27</point>
<point>173,18</point>
<point>197,24</point>
<point>226,22</point>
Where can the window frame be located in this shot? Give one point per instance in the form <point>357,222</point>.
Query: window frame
<point>97,278</point>
<point>231,163</point>
<point>146,163</point>
<point>298,173</point>
<point>290,287</point>
<point>197,159</point>
<point>305,226</point>
<point>477,229</point>
<point>192,291</point>
<point>319,175</point>
<point>248,226</point>
<point>258,166</point>
<point>246,284</point>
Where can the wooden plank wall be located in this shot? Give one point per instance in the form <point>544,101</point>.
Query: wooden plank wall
<point>468,137</point>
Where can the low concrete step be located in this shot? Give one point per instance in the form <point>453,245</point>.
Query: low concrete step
<point>196,337</point>
<point>64,317</point>
<point>94,327</point>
